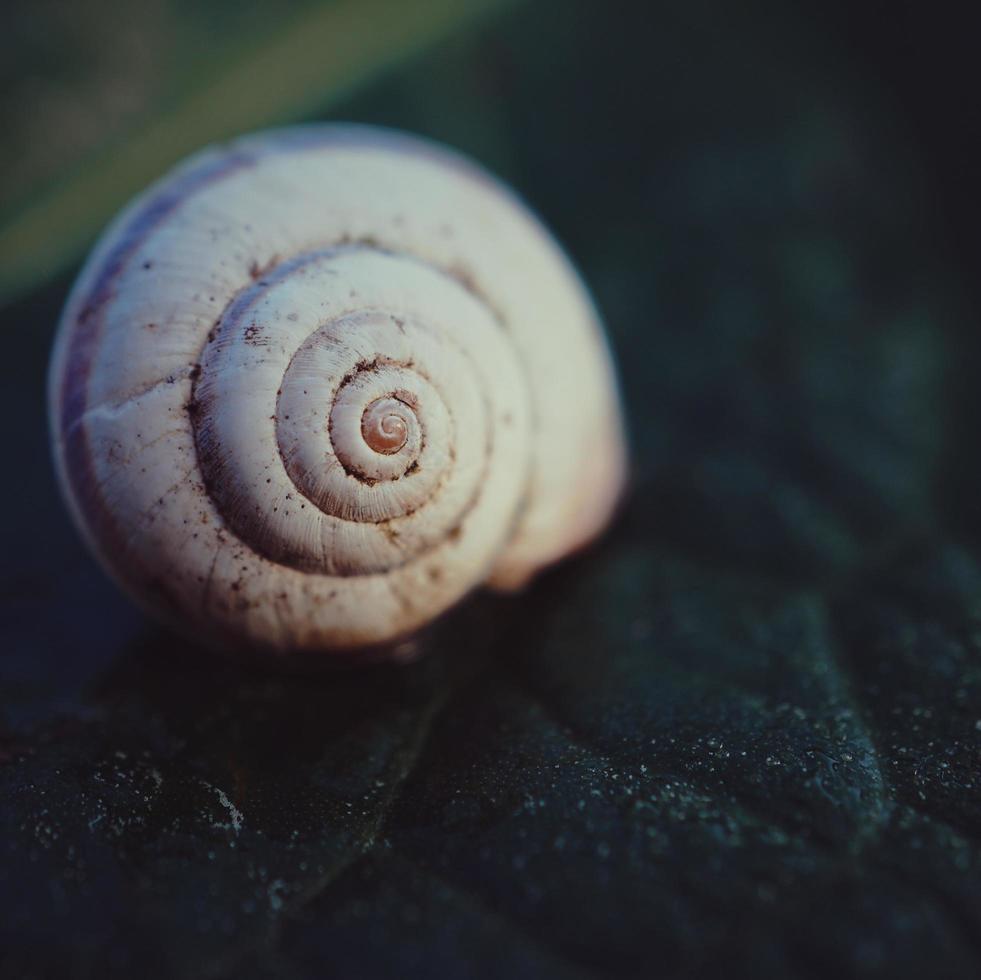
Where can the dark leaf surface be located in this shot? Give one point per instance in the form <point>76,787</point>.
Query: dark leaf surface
<point>742,735</point>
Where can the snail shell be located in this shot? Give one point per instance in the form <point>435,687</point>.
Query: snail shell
<point>315,385</point>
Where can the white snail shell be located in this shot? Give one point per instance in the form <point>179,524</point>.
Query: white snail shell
<point>315,385</point>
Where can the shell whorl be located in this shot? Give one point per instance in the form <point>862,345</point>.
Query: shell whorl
<point>312,388</point>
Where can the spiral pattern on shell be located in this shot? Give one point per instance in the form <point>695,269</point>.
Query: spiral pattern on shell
<point>313,387</point>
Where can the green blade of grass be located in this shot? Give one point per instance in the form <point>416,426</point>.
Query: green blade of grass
<point>308,63</point>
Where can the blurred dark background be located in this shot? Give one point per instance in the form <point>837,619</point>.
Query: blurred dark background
<point>743,734</point>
